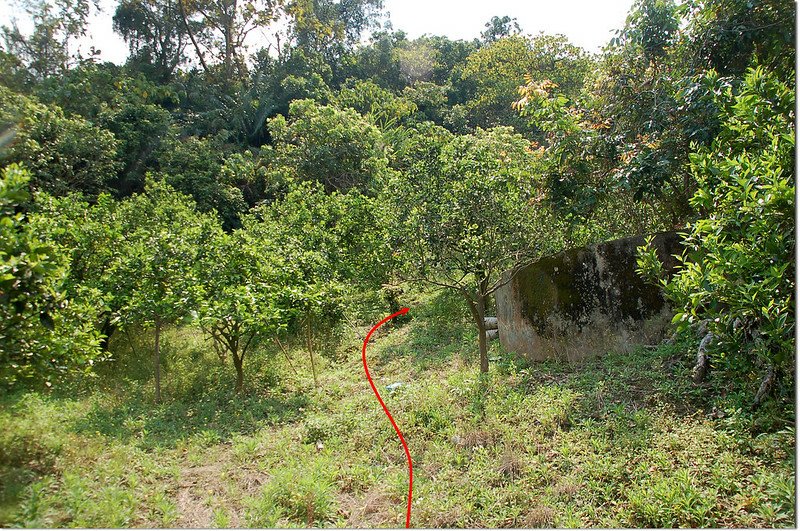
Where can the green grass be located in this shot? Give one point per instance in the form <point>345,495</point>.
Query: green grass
<point>616,440</point>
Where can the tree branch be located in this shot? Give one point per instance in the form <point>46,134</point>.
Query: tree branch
<point>191,37</point>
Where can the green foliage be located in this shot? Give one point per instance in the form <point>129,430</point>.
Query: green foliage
<point>572,153</point>
<point>218,31</point>
<point>249,173</point>
<point>394,62</point>
<point>330,242</point>
<point>158,265</point>
<point>13,73</point>
<point>63,154</point>
<point>236,112</point>
<point>576,162</point>
<point>194,167</point>
<point>90,237</point>
<point>331,28</point>
<point>328,246</point>
<point>652,27</point>
<point>163,242</point>
<point>644,119</point>
<point>451,57</point>
<point>140,129</point>
<point>92,89</point>
<point>499,27</point>
<point>245,295</point>
<point>302,495</point>
<point>335,147</point>
<point>498,69</point>
<point>469,206</point>
<point>155,33</point>
<point>381,106</point>
<point>738,272</point>
<point>43,334</point>
<point>726,35</point>
<point>631,132</point>
<point>379,62</point>
<point>416,61</point>
<point>47,50</point>
<point>129,106</point>
<point>467,203</point>
<point>429,99</point>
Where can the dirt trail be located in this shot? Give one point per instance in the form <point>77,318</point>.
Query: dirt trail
<point>219,486</point>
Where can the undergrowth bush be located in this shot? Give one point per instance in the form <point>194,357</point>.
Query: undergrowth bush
<point>737,273</point>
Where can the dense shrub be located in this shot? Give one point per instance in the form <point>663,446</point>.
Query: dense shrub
<point>738,272</point>
<point>336,147</point>
<point>63,154</point>
<point>42,333</point>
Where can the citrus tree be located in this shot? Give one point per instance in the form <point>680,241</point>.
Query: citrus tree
<point>331,245</point>
<point>463,210</point>
<point>63,154</point>
<point>245,295</point>
<point>164,238</point>
<point>91,238</point>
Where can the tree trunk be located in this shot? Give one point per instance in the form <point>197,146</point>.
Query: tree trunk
<point>703,361</point>
<point>107,330</point>
<point>285,353</point>
<point>481,312</point>
<point>238,362</point>
<point>310,347</point>
<point>157,361</point>
<point>229,51</point>
<point>478,309</point>
<point>184,17</point>
<point>767,385</point>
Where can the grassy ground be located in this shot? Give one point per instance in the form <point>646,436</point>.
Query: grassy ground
<point>616,440</point>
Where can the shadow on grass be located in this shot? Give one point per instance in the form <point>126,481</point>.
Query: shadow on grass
<point>440,332</point>
<point>618,394</point>
<point>216,418</point>
<point>199,398</point>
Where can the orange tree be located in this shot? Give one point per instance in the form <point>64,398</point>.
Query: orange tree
<point>463,210</point>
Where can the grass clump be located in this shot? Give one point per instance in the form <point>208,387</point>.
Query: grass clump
<point>302,496</point>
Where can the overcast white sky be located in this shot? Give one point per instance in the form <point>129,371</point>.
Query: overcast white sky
<point>586,23</point>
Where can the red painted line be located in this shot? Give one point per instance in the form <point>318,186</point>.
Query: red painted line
<point>386,410</point>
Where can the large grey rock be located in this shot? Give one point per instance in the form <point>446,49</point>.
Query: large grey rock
<point>582,300</point>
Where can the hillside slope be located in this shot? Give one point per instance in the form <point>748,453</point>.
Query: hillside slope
<point>617,440</point>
